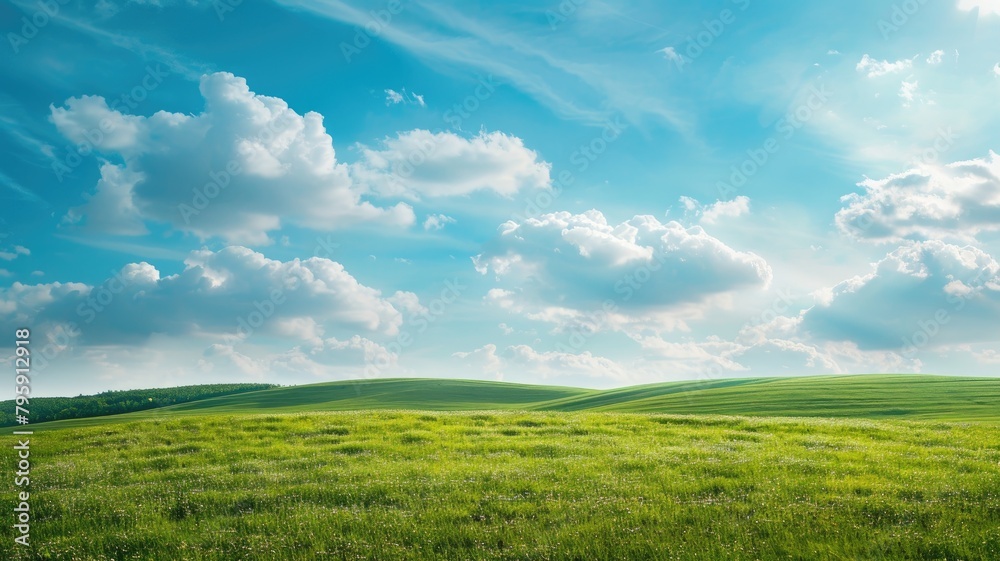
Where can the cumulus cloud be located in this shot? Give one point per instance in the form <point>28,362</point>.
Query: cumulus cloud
<point>238,170</point>
<point>936,57</point>
<point>419,163</point>
<point>112,207</point>
<point>948,292</point>
<point>568,263</point>
<point>996,69</point>
<point>957,202</point>
<point>228,295</point>
<point>875,68</point>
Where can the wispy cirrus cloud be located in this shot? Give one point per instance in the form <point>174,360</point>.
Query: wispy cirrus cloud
<point>561,76</point>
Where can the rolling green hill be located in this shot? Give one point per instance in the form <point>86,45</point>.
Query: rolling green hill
<point>874,396</point>
<point>870,396</point>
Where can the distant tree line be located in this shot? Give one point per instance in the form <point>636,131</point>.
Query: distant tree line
<point>113,402</point>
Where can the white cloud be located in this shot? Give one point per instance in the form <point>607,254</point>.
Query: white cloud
<point>907,90</point>
<point>238,170</point>
<point>930,293</point>
<point>936,57</point>
<point>223,295</point>
<point>483,359</point>
<point>726,209</point>
<point>112,207</point>
<point>985,7</point>
<point>392,97</point>
<point>659,360</point>
<point>368,351</point>
<point>408,302</point>
<point>833,52</point>
<point>437,221</point>
<point>671,54</point>
<point>326,359</point>
<point>14,252</point>
<point>420,164</point>
<point>988,356</point>
<point>957,202</point>
<point>533,365</point>
<point>876,68</point>
<point>688,358</point>
<point>996,69</point>
<point>564,265</point>
<point>553,364</point>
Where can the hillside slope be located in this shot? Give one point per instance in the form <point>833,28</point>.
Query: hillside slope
<point>869,396</point>
<point>874,396</point>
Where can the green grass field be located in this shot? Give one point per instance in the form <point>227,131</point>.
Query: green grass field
<point>873,397</point>
<point>523,472</point>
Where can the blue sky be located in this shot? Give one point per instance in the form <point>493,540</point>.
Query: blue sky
<point>578,193</point>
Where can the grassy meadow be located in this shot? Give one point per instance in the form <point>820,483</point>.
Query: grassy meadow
<point>203,481</point>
